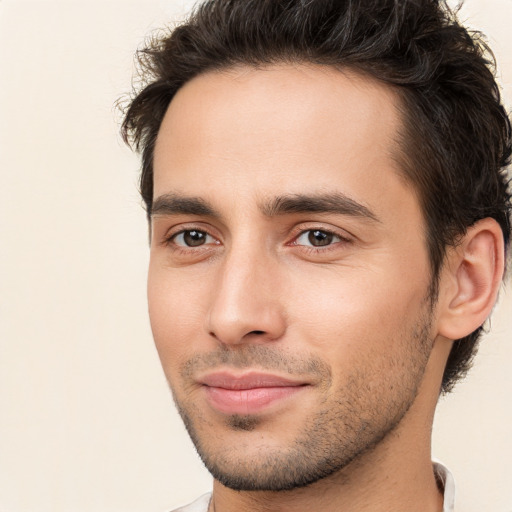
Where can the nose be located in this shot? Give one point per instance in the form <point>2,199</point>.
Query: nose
<point>246,302</point>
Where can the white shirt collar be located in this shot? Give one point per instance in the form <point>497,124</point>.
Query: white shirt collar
<point>444,476</point>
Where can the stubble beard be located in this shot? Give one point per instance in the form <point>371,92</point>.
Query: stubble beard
<point>340,431</point>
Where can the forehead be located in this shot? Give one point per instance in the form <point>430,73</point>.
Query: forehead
<point>278,129</point>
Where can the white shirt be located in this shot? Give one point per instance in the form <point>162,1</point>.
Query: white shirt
<point>445,477</point>
<point>442,474</point>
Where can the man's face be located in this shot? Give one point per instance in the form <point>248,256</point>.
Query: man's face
<point>288,281</point>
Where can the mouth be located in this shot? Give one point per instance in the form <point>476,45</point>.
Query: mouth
<point>248,393</point>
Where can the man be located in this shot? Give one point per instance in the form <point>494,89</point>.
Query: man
<point>326,190</point>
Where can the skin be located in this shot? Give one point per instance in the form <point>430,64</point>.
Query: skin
<point>351,319</point>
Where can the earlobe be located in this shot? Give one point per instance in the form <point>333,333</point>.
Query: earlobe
<point>471,279</point>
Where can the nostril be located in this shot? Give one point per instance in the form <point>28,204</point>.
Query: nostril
<point>257,332</point>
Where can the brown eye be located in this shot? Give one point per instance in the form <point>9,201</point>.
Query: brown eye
<point>192,238</point>
<point>319,238</point>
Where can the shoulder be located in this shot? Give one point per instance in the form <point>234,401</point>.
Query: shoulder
<point>199,505</point>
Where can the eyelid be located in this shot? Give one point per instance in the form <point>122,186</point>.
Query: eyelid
<point>184,245</point>
<point>315,253</point>
<point>175,230</point>
<point>297,231</point>
<point>305,232</point>
<point>302,228</point>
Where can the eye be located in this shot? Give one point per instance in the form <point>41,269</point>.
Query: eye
<point>192,238</point>
<point>317,238</point>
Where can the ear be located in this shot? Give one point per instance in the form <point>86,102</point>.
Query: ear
<point>470,280</point>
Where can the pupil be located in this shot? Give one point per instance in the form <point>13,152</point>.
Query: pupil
<point>319,238</point>
<point>194,238</point>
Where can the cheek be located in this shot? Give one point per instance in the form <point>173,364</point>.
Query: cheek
<point>370,341</point>
<point>356,308</point>
<point>175,314</point>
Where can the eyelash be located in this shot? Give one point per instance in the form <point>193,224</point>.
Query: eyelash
<point>170,240</point>
<point>322,248</point>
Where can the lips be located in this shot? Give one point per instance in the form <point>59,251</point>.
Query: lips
<point>248,393</point>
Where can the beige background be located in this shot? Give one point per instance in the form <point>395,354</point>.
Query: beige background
<point>86,420</point>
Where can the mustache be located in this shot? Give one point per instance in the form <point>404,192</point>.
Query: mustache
<point>260,357</point>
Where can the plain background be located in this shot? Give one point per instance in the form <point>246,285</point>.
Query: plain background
<point>86,419</point>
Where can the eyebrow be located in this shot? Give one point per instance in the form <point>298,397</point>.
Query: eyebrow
<point>338,203</point>
<point>174,204</point>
